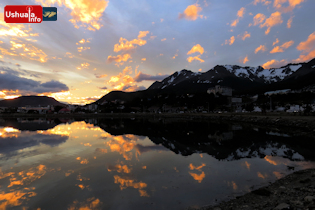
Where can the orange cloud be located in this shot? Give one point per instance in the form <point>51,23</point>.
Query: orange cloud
<point>269,160</point>
<point>260,48</point>
<point>191,12</point>
<point>143,59</point>
<point>119,58</point>
<point>82,41</point>
<point>235,22</point>
<point>69,55</point>
<point>265,2</point>
<point>289,23</point>
<point>307,45</point>
<point>124,82</point>
<point>245,60</point>
<point>273,20</point>
<point>230,41</point>
<point>28,176</point>
<point>260,175</point>
<point>247,165</point>
<point>197,177</point>
<point>124,44</point>
<point>292,4</point>
<point>89,204</point>
<point>274,64</point>
<point>282,47</point>
<point>128,182</point>
<point>15,30</point>
<point>244,36</point>
<point>85,65</point>
<point>241,12</point>
<point>152,37</point>
<point>101,76</point>
<point>119,168</point>
<point>163,39</point>
<point>190,59</point>
<point>308,49</point>
<point>25,50</point>
<point>84,12</point>
<point>142,34</point>
<point>192,167</point>
<point>275,42</point>
<point>84,161</point>
<point>234,186</point>
<point>259,18</point>
<point>80,49</point>
<point>196,48</point>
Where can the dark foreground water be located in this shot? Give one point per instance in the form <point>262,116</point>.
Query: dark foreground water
<point>139,164</point>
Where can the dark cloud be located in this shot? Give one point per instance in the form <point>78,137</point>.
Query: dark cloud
<point>141,77</point>
<point>10,80</point>
<point>103,88</point>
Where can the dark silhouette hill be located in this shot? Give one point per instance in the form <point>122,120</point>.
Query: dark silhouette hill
<point>33,101</point>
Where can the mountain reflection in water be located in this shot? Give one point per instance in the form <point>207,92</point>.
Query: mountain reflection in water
<point>139,164</point>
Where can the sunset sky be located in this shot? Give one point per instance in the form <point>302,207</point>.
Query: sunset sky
<point>97,46</point>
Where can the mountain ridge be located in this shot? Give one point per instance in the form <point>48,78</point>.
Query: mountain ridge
<point>23,101</point>
<point>243,80</point>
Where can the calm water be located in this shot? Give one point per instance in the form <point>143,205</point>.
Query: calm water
<point>139,164</point>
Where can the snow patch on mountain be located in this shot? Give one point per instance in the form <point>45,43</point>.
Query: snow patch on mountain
<point>294,68</point>
<point>229,68</point>
<point>276,74</point>
<point>218,74</point>
<point>171,80</point>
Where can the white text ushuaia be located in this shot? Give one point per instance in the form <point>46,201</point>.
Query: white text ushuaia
<point>30,15</point>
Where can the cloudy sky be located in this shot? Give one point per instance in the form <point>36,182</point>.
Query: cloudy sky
<point>97,46</point>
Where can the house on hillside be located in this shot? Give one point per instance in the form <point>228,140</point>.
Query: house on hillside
<point>64,111</point>
<point>31,109</point>
<point>295,108</point>
<point>225,91</point>
<point>92,107</point>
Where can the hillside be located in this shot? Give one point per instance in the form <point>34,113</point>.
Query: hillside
<point>30,101</point>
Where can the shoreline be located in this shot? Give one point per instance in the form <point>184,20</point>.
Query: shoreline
<point>294,191</point>
<point>287,121</point>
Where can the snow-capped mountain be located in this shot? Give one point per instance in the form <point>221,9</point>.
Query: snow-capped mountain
<point>243,80</point>
<point>217,75</point>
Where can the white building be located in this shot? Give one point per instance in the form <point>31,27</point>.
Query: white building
<point>92,107</point>
<point>225,91</point>
<point>285,91</point>
<point>40,110</point>
<point>295,108</point>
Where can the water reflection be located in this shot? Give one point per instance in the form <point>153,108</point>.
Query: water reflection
<point>139,164</point>
<point>13,141</point>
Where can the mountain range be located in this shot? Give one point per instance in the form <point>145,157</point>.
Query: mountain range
<point>243,80</point>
